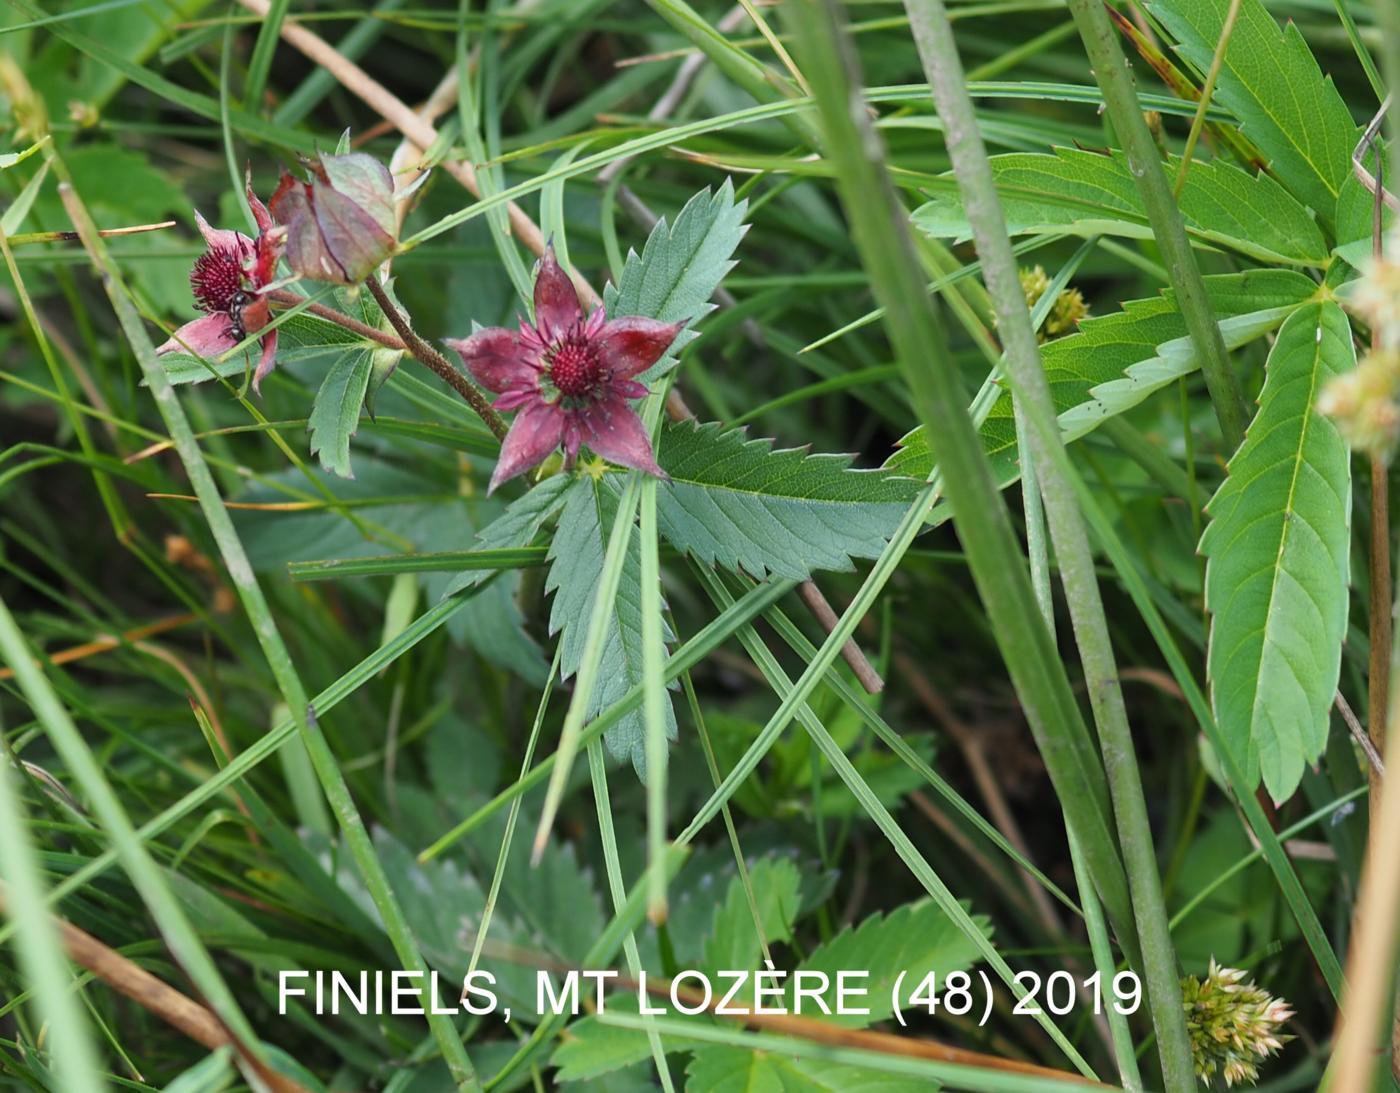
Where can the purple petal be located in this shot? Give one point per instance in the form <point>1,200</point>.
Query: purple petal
<point>496,359</point>
<point>207,336</point>
<point>556,301</point>
<point>535,432</point>
<point>612,430</point>
<point>260,213</point>
<point>630,389</point>
<point>515,398</point>
<point>268,361</point>
<point>632,345</point>
<point>222,238</point>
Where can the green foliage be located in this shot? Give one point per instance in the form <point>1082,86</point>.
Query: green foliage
<point>680,267</point>
<point>720,1069</point>
<point>576,563</point>
<point>336,413</point>
<point>1278,560</point>
<point>1091,194</point>
<point>737,503</point>
<point>1114,362</point>
<point>917,939</point>
<point>1271,82</point>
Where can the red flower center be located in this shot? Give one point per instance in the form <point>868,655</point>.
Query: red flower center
<point>574,367</point>
<point>216,279</point>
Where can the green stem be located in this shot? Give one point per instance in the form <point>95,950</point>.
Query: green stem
<point>933,34</point>
<point>879,226</point>
<point>22,899</point>
<point>240,572</point>
<point>1125,112</point>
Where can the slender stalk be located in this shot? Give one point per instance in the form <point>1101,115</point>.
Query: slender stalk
<point>1199,121</point>
<point>37,945</point>
<point>933,34</point>
<point>1371,967</point>
<point>1124,111</point>
<point>879,226</point>
<point>653,699</point>
<point>275,651</point>
<point>426,355</point>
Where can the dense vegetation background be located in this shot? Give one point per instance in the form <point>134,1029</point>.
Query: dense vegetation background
<point>161,793</point>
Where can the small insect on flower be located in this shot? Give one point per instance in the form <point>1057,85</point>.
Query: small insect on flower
<point>568,377</point>
<point>228,281</point>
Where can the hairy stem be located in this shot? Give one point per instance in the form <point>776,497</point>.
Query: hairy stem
<point>933,34</point>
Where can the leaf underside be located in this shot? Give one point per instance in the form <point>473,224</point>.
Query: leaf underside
<point>1277,561</point>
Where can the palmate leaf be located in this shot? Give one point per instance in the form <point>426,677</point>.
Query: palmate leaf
<point>1277,561</point>
<point>738,503</point>
<point>1089,194</point>
<point>680,267</point>
<point>576,566</point>
<point>1116,361</point>
<point>1270,81</point>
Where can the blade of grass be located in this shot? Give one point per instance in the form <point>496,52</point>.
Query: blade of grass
<point>260,63</point>
<point>1125,112</point>
<point>600,618</point>
<point>714,634</point>
<point>933,35</point>
<point>269,638</point>
<point>598,772</point>
<point>37,945</point>
<point>879,226</point>
<point>175,927</point>
<point>653,698</point>
<point>789,694</point>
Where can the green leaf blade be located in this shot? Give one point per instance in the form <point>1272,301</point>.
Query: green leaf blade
<point>1271,82</point>
<point>739,503</point>
<point>1089,194</point>
<point>1277,561</point>
<point>335,416</point>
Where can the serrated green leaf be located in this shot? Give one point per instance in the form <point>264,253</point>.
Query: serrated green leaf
<point>737,502</point>
<point>680,267</point>
<point>718,1068</point>
<point>917,938</point>
<point>1271,82</point>
<point>1092,194</point>
<point>733,942</point>
<point>1116,361</point>
<point>576,565</point>
<point>516,527</point>
<point>1277,561</point>
<point>335,416</point>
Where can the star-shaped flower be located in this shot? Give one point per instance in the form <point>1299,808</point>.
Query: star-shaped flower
<point>228,281</point>
<point>568,377</point>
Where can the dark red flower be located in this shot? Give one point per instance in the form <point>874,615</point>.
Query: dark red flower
<point>569,377</point>
<point>228,281</point>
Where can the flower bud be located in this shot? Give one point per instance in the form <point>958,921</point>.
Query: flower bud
<point>340,224</point>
